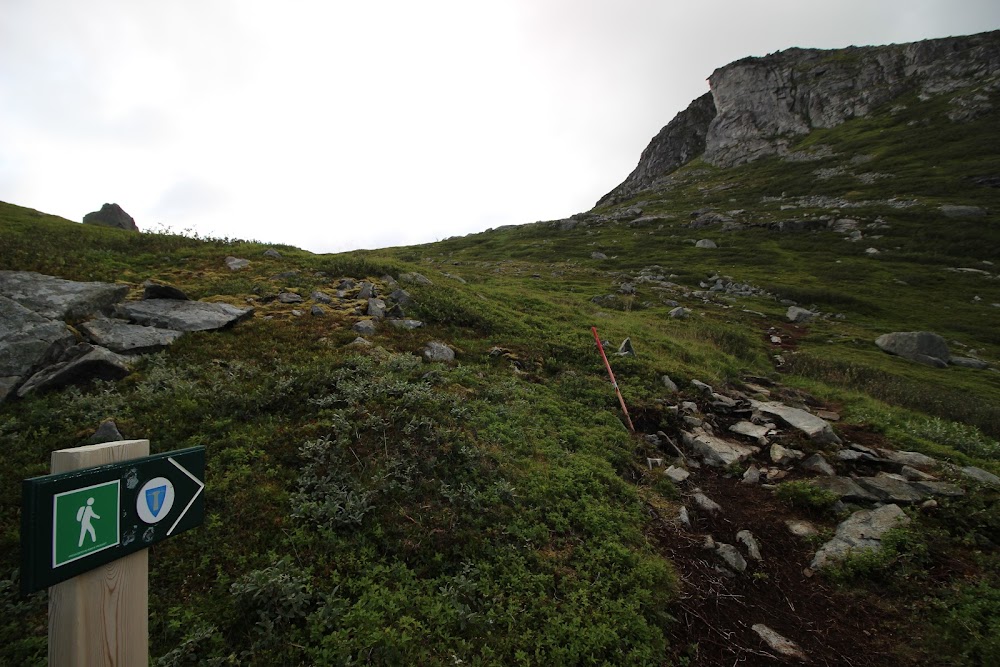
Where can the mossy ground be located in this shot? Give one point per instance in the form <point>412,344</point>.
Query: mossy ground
<point>363,506</point>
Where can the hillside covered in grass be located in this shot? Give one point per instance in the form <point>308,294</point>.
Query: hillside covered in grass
<point>365,505</point>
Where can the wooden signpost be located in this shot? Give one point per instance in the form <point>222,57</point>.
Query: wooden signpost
<point>84,534</point>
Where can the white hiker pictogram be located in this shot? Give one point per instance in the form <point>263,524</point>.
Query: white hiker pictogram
<point>84,515</point>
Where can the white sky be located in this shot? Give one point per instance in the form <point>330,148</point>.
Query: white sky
<point>335,125</point>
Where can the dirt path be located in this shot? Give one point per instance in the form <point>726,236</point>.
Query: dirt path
<point>717,609</point>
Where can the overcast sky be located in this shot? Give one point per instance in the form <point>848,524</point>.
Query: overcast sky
<point>337,125</point>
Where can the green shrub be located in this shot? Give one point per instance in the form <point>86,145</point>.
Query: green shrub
<point>806,496</point>
<point>903,555</point>
<point>967,624</point>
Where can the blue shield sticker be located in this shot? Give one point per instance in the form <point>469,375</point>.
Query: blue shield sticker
<point>154,499</point>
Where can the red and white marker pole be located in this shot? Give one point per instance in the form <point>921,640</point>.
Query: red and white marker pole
<point>614,383</point>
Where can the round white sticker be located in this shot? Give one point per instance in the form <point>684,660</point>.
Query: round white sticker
<point>156,497</point>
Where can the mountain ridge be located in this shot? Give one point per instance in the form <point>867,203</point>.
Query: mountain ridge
<point>757,104</point>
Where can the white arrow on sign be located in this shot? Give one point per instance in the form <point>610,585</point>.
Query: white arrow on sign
<point>201,486</point>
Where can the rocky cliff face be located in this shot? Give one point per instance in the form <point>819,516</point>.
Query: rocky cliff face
<point>680,141</point>
<point>759,106</point>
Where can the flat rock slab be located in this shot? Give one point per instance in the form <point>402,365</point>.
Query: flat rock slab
<point>96,364</point>
<point>893,490</point>
<point>863,530</point>
<point>940,489</point>
<point>716,451</point>
<point>27,342</point>
<point>676,475</point>
<point>845,488</point>
<point>981,476</point>
<point>969,362</point>
<point>122,337</point>
<point>914,459</point>
<point>59,299</point>
<point>817,429</point>
<point>183,315</point>
<point>751,430</point>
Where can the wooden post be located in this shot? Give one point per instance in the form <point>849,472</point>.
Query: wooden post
<point>101,618</point>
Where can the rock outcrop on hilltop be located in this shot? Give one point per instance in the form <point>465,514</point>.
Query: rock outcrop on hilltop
<point>758,106</point>
<point>111,215</point>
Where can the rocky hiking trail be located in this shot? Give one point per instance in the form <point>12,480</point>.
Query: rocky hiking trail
<point>752,587</point>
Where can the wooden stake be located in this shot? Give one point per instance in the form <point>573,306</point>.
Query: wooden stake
<point>101,618</point>
<point>614,383</point>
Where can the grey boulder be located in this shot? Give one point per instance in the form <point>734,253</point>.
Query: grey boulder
<point>28,341</point>
<point>376,308</point>
<point>364,327</point>
<point>799,315</point>
<point>89,363</point>
<point>436,351</point>
<point>920,346</point>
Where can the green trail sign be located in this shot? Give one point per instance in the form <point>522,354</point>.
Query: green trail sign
<point>85,521</point>
<point>75,521</point>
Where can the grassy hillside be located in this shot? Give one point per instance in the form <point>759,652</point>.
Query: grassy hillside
<point>366,507</point>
